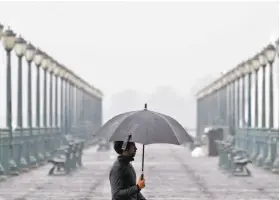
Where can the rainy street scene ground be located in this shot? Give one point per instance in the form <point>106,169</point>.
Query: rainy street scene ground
<point>139,100</point>
<point>170,171</point>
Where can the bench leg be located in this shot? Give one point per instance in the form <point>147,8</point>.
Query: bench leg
<point>248,171</point>
<point>80,161</point>
<point>241,168</point>
<point>52,170</point>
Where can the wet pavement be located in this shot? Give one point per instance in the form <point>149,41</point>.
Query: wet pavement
<point>171,174</point>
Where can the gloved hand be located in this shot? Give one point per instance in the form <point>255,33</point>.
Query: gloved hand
<point>141,183</point>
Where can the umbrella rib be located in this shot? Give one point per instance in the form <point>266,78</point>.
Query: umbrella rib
<point>128,115</point>
<point>162,116</point>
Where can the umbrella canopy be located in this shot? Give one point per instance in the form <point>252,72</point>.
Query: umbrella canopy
<point>145,127</point>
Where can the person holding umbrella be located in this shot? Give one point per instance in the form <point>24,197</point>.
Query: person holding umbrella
<point>144,127</point>
<point>122,175</point>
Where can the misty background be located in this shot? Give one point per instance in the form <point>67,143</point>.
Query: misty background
<point>160,53</point>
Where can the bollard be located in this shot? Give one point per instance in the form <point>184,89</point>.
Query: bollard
<point>275,166</point>
<point>269,159</point>
<point>32,159</point>
<point>67,166</point>
<point>2,173</point>
<point>13,168</point>
<point>255,148</point>
<point>23,165</point>
<point>81,153</point>
<point>47,154</point>
<point>2,170</point>
<point>260,158</point>
<point>40,158</point>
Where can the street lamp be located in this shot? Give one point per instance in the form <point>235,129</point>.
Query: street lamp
<point>243,69</point>
<point>51,68</point>
<point>38,57</point>
<point>249,66</point>
<point>1,30</point>
<point>62,72</point>
<point>9,42</point>
<point>237,72</point>
<point>262,59</point>
<point>56,72</point>
<point>45,62</point>
<point>50,65</point>
<point>56,69</point>
<point>20,48</point>
<point>45,65</point>
<point>29,53</point>
<point>270,53</point>
<point>256,65</point>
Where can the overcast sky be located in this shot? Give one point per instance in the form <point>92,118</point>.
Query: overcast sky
<point>141,46</point>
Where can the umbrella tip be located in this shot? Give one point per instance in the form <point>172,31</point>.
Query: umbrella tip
<point>145,106</point>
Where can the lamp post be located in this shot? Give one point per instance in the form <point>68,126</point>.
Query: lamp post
<point>9,43</point>
<point>1,30</point>
<point>29,55</point>
<point>248,66</point>
<point>45,65</point>
<point>243,73</point>
<point>256,66</point>
<point>238,75</point>
<point>56,73</point>
<point>20,48</point>
<point>66,113</point>
<point>263,62</point>
<point>233,91</point>
<point>70,105</point>
<point>62,99</point>
<point>38,57</point>
<point>270,53</point>
<point>51,68</point>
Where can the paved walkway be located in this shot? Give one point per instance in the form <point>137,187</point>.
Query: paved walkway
<point>171,174</point>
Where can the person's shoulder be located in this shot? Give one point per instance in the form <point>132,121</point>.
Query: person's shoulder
<point>116,169</point>
<point>116,166</point>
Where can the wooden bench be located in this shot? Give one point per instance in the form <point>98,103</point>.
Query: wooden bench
<point>67,157</point>
<point>239,159</point>
<point>60,159</point>
<point>233,159</point>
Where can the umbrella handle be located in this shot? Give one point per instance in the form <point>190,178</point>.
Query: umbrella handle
<point>143,155</point>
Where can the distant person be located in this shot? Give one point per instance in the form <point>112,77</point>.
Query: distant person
<point>123,176</point>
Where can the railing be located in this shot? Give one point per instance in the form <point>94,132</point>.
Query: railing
<point>246,99</point>
<point>41,102</point>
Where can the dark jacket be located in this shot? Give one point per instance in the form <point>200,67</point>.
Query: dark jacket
<point>123,180</point>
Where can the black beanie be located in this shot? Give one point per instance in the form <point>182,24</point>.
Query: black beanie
<point>118,146</point>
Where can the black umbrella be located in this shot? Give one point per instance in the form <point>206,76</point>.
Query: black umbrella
<point>144,127</point>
